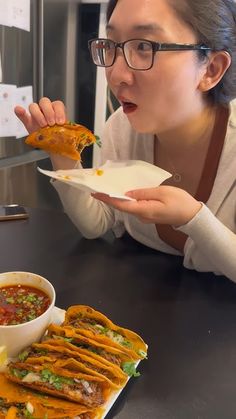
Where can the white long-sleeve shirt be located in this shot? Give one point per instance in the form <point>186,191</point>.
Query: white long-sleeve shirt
<point>211,242</point>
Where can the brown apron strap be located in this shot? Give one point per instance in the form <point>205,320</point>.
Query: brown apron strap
<point>213,155</point>
<point>171,237</point>
<point>166,232</point>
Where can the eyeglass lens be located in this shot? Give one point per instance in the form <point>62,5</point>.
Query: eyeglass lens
<point>138,53</point>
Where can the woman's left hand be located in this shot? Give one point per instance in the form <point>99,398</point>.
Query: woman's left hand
<point>161,205</point>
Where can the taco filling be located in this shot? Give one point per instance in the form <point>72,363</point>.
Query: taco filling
<point>23,410</point>
<point>43,352</point>
<point>93,324</point>
<point>71,335</point>
<point>109,355</point>
<point>126,365</point>
<point>17,401</point>
<point>89,393</point>
<point>100,329</point>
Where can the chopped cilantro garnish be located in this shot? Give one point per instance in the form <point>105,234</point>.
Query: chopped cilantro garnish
<point>27,414</point>
<point>61,337</point>
<point>68,339</point>
<point>31,298</point>
<point>10,300</point>
<point>101,329</point>
<point>142,353</point>
<point>31,316</point>
<point>42,351</point>
<point>130,369</point>
<point>18,373</point>
<point>92,349</point>
<point>98,141</point>
<point>126,343</point>
<point>55,380</point>
<point>23,355</point>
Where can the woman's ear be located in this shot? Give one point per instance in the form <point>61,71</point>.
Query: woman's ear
<point>218,63</point>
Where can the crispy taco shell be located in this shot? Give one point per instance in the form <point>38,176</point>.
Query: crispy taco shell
<point>13,395</point>
<point>111,353</point>
<point>93,324</point>
<point>67,140</point>
<point>46,352</point>
<point>112,358</point>
<point>61,381</point>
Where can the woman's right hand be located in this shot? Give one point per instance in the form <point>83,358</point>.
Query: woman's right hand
<point>42,114</point>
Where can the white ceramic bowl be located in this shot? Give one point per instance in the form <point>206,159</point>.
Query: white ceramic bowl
<point>18,337</point>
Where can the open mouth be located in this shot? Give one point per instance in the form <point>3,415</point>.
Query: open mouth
<point>129,107</point>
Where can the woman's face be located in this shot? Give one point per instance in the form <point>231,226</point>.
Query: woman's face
<point>167,95</point>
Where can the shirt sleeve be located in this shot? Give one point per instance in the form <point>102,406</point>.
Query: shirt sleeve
<point>210,244</point>
<point>93,218</point>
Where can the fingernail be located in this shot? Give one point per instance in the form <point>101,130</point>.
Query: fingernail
<point>43,123</point>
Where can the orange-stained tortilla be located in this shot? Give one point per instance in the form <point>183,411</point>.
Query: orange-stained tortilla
<point>108,352</point>
<point>68,140</point>
<point>95,325</point>
<point>44,405</point>
<point>64,380</point>
<point>42,353</point>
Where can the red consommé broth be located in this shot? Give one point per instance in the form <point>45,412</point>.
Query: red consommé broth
<point>21,303</point>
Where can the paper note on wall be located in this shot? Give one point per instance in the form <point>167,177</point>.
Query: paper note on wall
<point>24,96</point>
<point>20,14</point>
<point>10,96</point>
<point>5,13</point>
<point>15,13</point>
<point>7,116</point>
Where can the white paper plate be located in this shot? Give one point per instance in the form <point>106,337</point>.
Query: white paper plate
<point>114,178</point>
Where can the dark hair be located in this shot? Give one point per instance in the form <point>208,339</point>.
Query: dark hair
<point>110,8</point>
<point>214,23</point>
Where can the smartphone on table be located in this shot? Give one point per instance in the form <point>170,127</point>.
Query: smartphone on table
<point>12,212</point>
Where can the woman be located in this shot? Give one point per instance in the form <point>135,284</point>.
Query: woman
<point>172,66</point>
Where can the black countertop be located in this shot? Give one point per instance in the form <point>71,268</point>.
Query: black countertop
<point>188,319</point>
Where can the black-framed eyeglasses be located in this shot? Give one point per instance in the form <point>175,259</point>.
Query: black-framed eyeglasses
<point>139,53</point>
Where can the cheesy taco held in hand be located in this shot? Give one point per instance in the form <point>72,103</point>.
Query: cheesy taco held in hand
<point>68,140</point>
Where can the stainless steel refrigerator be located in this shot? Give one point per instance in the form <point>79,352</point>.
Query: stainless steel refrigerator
<point>54,59</point>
